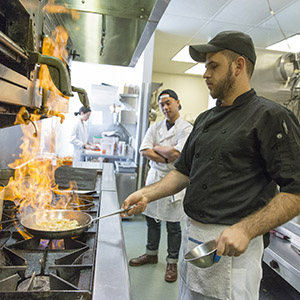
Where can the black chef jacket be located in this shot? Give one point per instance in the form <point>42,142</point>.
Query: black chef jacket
<point>236,156</point>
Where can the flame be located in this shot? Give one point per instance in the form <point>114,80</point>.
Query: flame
<point>51,7</point>
<point>33,188</point>
<point>34,175</point>
<point>53,46</point>
<point>52,244</point>
<point>56,44</point>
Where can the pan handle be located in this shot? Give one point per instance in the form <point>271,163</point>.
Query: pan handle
<point>113,213</point>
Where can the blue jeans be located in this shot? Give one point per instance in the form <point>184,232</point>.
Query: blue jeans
<point>174,238</point>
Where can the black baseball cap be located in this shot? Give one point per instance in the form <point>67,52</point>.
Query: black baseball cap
<point>171,94</point>
<point>235,41</point>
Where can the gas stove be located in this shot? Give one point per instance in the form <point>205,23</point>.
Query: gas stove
<point>47,269</point>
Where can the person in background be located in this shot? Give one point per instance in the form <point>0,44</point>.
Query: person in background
<point>162,145</point>
<point>233,161</point>
<point>79,134</point>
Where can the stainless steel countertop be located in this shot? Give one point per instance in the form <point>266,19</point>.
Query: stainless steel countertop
<point>111,280</point>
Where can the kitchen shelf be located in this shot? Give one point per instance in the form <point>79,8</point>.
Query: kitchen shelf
<point>129,95</point>
<point>92,153</point>
<point>129,100</point>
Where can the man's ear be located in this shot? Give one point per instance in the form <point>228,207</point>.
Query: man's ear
<point>179,105</point>
<point>240,64</point>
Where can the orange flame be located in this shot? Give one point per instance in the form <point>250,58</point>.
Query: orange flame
<point>34,174</point>
<point>33,188</point>
<point>53,46</point>
<point>51,7</point>
<point>33,185</point>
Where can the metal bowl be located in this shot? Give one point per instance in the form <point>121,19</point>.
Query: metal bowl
<point>203,255</point>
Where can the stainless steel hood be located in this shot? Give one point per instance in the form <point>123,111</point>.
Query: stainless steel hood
<point>113,32</point>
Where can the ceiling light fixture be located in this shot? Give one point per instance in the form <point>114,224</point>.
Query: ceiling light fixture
<point>291,44</point>
<point>198,69</point>
<point>183,55</point>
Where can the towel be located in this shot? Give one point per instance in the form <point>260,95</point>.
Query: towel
<point>214,281</point>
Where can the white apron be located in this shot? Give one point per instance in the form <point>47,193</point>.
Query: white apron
<point>168,208</point>
<point>232,278</point>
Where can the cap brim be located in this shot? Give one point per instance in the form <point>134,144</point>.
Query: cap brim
<point>198,52</point>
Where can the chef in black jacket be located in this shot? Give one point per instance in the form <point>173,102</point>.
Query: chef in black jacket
<point>233,161</point>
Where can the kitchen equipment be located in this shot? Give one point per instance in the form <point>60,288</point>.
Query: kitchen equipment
<point>107,148</point>
<point>5,175</point>
<point>125,166</point>
<point>97,139</point>
<point>85,178</point>
<point>122,148</point>
<point>126,179</point>
<point>282,254</point>
<point>48,269</point>
<point>78,192</point>
<point>84,220</point>
<point>296,248</point>
<point>203,255</point>
<point>26,26</point>
<point>85,267</point>
<point>1,202</point>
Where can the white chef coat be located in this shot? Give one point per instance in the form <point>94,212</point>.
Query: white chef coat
<point>79,137</point>
<point>169,208</point>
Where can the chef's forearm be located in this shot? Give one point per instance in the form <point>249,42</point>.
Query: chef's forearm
<point>171,184</point>
<point>282,208</point>
<point>167,152</point>
<point>152,155</point>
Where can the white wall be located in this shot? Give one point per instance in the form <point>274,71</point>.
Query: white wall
<point>191,90</point>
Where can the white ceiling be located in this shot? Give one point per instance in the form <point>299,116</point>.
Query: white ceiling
<point>188,22</point>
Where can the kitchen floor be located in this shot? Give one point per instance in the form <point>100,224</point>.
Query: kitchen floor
<point>147,282</point>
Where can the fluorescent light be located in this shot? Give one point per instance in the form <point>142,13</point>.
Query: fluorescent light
<point>291,44</point>
<point>183,55</point>
<point>198,69</point>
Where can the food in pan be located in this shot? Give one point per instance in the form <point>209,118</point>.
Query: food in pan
<point>58,225</point>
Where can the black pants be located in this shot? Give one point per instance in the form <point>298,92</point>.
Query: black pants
<point>174,237</point>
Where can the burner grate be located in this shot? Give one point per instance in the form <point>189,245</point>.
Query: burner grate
<point>48,269</point>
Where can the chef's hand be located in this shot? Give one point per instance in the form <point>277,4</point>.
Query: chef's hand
<point>233,241</point>
<point>87,147</point>
<point>138,200</point>
<point>94,147</point>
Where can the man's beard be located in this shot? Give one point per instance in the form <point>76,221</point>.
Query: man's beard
<point>223,88</point>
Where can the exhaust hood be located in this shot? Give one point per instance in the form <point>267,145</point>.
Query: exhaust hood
<point>53,33</point>
<point>113,32</point>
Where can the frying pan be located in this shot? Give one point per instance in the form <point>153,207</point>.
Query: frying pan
<point>84,220</point>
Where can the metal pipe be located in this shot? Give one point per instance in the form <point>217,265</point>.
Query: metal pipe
<point>82,94</point>
<point>141,130</point>
<point>12,45</point>
<point>43,109</point>
<point>64,78</point>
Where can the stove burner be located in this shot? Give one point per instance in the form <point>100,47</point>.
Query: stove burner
<point>37,283</point>
<point>52,244</point>
<point>48,269</point>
